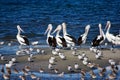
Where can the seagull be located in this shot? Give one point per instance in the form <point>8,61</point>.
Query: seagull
<point>51,40</point>
<point>59,39</point>
<point>6,76</point>
<point>70,68</point>
<point>76,66</point>
<point>41,70</point>
<point>21,39</point>
<point>100,38</point>
<point>50,66</point>
<point>27,68</point>
<point>69,39</point>
<point>83,37</point>
<point>33,76</point>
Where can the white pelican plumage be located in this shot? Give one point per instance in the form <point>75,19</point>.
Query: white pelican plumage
<point>21,39</point>
<point>59,39</point>
<point>69,39</point>
<point>110,37</point>
<point>100,38</point>
<point>83,37</point>
<point>50,39</point>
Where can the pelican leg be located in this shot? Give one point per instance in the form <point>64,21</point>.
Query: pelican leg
<point>20,47</point>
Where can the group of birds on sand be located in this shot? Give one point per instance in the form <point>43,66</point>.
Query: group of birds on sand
<point>69,41</point>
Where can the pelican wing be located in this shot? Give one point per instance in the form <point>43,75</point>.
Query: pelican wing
<point>71,38</point>
<point>54,43</point>
<point>26,41</point>
<point>80,40</point>
<point>98,39</point>
<point>50,41</point>
<point>63,42</point>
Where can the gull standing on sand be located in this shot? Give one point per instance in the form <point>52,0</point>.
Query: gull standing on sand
<point>21,39</point>
<point>41,70</point>
<point>70,68</point>
<point>100,38</point>
<point>62,56</point>
<point>50,66</point>
<point>60,40</point>
<point>83,37</point>
<point>76,66</point>
<point>69,39</point>
<point>51,40</point>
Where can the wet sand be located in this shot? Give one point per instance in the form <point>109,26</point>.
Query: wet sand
<point>42,60</point>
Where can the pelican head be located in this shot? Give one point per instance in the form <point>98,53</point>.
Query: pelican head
<point>19,29</point>
<point>49,28</point>
<point>57,29</point>
<point>64,25</point>
<point>100,25</point>
<point>64,28</point>
<point>108,25</point>
<point>87,27</point>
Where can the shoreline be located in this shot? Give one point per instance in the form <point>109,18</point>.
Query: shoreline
<point>42,60</point>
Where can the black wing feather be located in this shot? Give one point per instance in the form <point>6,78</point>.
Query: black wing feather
<point>73,39</point>
<point>26,40</point>
<point>80,40</point>
<point>63,42</point>
<point>52,41</point>
<point>96,42</point>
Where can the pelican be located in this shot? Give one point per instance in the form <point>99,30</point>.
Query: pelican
<point>60,40</point>
<point>110,37</point>
<point>69,39</point>
<point>50,39</point>
<point>21,39</point>
<point>83,37</point>
<point>100,38</point>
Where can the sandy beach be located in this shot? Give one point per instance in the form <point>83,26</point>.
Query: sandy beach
<point>42,60</point>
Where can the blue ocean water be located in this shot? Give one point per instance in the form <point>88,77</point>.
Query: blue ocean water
<point>35,15</point>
